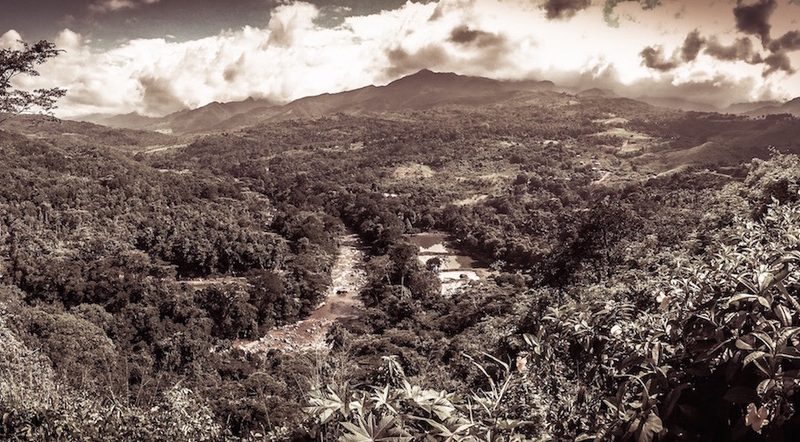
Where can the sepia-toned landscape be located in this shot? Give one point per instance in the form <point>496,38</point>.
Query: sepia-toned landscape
<point>449,246</point>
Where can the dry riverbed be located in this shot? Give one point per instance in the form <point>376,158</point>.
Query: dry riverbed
<point>349,278</point>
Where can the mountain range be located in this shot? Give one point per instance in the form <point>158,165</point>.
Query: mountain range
<point>423,90</point>
<point>790,107</point>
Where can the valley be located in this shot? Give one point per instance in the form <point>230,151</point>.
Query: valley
<point>412,239</point>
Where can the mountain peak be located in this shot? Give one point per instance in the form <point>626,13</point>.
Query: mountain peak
<point>425,75</point>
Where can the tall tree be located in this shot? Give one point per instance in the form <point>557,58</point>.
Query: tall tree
<point>25,61</point>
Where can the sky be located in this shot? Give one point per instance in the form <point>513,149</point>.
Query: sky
<point>154,57</point>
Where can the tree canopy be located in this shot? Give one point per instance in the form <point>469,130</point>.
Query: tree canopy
<point>25,61</point>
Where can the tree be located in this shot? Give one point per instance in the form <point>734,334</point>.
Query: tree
<point>15,62</point>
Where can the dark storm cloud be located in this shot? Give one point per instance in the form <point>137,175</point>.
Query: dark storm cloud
<point>402,62</point>
<point>158,97</point>
<point>692,46</point>
<point>778,61</point>
<point>754,18</point>
<point>789,41</point>
<point>653,57</point>
<point>740,50</point>
<point>464,35</point>
<point>561,9</point>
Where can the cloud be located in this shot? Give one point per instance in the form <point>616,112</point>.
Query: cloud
<point>294,55</point>
<point>475,52</point>
<point>448,7</point>
<point>158,95</point>
<point>466,36</point>
<point>287,21</point>
<point>562,9</point>
<point>402,62</point>
<point>740,50</point>
<point>103,6</point>
<point>288,58</point>
<point>751,18</point>
<point>713,89</point>
<point>68,40</point>
<point>789,41</point>
<point>778,61</point>
<point>754,18</point>
<point>11,40</point>
<point>608,9</point>
<point>692,46</point>
<point>653,57</point>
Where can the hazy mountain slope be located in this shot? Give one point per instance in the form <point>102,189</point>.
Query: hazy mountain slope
<point>423,90</point>
<point>67,133</point>
<point>790,107</point>
<point>186,121</point>
<point>716,139</point>
<point>679,104</point>
<point>596,92</point>
<point>210,115</point>
<point>743,108</point>
<point>127,121</point>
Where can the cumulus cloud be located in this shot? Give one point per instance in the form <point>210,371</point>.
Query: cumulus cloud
<point>560,9</point>
<point>449,7</point>
<point>293,55</point>
<point>754,18</point>
<point>288,58</point>
<point>288,21</point>
<point>11,40</point>
<point>102,6</point>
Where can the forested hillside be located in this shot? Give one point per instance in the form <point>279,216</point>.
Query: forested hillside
<point>643,278</point>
